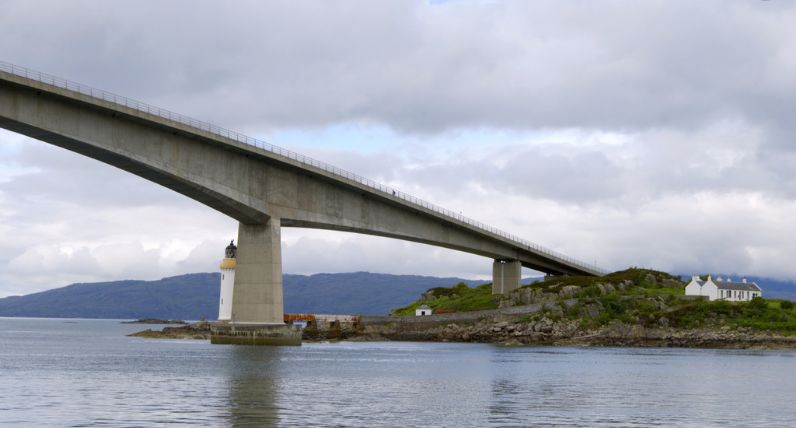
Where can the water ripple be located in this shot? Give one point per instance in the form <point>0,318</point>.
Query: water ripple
<point>89,374</point>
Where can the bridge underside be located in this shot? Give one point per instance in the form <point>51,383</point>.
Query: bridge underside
<point>263,190</point>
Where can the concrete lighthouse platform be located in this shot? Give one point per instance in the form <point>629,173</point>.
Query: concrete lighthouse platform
<point>257,335</point>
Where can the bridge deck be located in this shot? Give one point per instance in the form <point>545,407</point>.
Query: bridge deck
<point>109,101</point>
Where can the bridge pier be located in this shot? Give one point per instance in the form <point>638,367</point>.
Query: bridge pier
<point>257,293</point>
<point>506,275</point>
<point>257,307</point>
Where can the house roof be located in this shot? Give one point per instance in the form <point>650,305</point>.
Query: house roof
<point>740,286</point>
<point>730,285</point>
<point>423,307</point>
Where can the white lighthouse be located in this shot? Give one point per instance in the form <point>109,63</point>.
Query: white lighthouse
<point>227,282</point>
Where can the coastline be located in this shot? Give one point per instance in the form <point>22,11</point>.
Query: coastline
<point>524,332</point>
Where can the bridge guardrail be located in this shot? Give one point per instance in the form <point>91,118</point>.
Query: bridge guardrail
<point>233,135</point>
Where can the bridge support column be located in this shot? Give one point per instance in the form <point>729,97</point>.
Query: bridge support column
<point>506,275</point>
<point>257,308</point>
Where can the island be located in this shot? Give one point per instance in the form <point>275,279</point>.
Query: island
<point>154,321</point>
<point>633,307</point>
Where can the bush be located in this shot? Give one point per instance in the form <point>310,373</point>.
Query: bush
<point>786,305</point>
<point>757,307</point>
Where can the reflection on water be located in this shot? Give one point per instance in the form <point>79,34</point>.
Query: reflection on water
<point>87,373</point>
<point>251,374</point>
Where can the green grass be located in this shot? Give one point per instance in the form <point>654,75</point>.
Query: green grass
<point>759,314</point>
<point>636,276</point>
<point>648,297</point>
<point>460,298</point>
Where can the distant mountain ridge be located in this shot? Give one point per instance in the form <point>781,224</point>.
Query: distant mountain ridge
<point>193,296</point>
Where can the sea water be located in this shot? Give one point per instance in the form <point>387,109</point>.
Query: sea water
<point>85,373</point>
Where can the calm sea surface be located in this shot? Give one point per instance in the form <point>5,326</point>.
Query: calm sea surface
<point>56,372</point>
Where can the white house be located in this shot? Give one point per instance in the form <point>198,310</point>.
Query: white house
<point>721,289</point>
<point>423,310</point>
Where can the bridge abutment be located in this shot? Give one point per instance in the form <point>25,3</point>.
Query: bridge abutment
<point>506,275</point>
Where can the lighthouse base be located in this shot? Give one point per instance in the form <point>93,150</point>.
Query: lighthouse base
<point>255,335</point>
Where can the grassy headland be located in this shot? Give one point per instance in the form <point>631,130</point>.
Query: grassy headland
<point>634,296</point>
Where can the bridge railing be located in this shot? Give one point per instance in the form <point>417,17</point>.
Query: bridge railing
<point>226,133</point>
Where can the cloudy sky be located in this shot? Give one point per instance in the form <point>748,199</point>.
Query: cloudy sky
<point>655,133</point>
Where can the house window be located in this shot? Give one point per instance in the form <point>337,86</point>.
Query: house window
<point>222,276</point>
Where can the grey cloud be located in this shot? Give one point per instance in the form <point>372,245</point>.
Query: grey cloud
<point>703,92</point>
<point>420,67</point>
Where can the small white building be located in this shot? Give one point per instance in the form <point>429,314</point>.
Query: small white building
<point>722,289</point>
<point>423,310</point>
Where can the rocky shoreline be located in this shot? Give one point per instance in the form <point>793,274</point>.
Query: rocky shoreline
<point>199,330</point>
<point>631,308</point>
<point>540,332</point>
<point>154,321</point>
<point>548,332</point>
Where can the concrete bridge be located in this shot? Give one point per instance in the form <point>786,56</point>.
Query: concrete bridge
<point>263,186</point>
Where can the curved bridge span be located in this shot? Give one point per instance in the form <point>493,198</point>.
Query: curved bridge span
<point>263,186</point>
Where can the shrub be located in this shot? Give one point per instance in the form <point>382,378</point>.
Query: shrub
<point>757,307</point>
<point>786,305</point>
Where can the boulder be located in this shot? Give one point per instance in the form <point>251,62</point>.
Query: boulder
<point>605,288</point>
<point>592,310</point>
<point>569,291</point>
<point>570,303</point>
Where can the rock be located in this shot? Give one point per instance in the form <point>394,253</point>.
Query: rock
<point>592,310</point>
<point>569,291</point>
<point>510,342</point>
<point>605,288</point>
<point>570,303</point>
<point>663,321</point>
<point>155,321</point>
<point>546,325</point>
<point>554,310</point>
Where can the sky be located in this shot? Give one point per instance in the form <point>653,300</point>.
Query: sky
<point>657,134</point>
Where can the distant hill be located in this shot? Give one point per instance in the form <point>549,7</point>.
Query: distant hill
<point>775,289</point>
<point>194,296</point>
